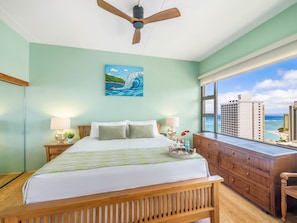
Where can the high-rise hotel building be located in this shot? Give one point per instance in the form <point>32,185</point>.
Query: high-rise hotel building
<point>293,122</point>
<point>243,118</point>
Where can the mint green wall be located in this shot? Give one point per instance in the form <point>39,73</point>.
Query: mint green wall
<point>14,56</point>
<point>277,28</point>
<point>70,82</point>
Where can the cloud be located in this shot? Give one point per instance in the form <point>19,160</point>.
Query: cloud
<point>113,70</point>
<point>277,95</point>
<point>288,79</point>
<point>277,101</point>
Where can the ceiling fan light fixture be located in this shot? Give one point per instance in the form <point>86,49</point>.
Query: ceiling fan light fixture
<point>137,20</point>
<point>138,25</point>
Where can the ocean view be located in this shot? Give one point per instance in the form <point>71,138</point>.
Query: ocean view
<point>272,123</point>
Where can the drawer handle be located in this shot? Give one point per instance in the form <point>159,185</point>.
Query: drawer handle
<point>248,159</point>
<point>247,189</point>
<point>233,153</point>
<point>247,173</point>
<point>232,180</point>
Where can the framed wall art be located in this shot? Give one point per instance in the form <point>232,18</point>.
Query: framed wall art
<point>123,80</point>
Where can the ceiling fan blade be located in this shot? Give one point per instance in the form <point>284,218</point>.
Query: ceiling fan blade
<point>106,6</point>
<point>136,37</point>
<point>163,15</point>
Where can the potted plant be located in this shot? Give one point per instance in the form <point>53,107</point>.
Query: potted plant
<point>70,136</point>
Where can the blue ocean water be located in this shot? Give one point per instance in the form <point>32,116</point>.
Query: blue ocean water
<point>111,90</point>
<point>133,86</point>
<point>272,123</point>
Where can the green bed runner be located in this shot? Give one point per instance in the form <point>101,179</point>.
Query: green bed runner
<point>73,161</point>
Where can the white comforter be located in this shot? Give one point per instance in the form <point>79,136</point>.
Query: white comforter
<point>52,186</point>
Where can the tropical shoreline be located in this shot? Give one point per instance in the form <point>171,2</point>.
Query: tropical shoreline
<point>284,136</point>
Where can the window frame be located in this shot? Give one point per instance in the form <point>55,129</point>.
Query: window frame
<point>204,99</point>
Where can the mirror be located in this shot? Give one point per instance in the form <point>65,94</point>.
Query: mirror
<point>12,131</point>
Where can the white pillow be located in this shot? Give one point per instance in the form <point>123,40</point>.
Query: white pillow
<point>95,127</point>
<point>149,122</point>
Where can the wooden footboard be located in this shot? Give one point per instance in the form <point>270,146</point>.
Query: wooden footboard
<point>183,201</point>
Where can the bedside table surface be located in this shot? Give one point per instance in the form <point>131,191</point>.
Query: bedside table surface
<point>58,144</point>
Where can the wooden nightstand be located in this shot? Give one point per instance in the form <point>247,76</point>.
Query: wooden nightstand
<point>54,149</point>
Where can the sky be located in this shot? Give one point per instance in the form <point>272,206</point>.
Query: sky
<point>121,71</point>
<point>275,85</point>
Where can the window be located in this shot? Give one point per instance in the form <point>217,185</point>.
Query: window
<point>253,105</point>
<point>254,97</point>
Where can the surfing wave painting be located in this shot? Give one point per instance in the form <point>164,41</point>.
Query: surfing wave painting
<point>123,80</point>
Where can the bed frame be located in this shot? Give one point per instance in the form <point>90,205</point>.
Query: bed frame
<point>183,201</point>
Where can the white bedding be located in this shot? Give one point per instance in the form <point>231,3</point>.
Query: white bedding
<point>52,186</point>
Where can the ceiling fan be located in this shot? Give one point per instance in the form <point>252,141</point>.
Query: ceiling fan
<point>137,20</point>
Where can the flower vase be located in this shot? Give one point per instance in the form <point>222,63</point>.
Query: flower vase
<point>186,140</point>
<point>187,145</point>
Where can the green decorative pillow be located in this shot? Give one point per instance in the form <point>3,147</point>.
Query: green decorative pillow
<point>112,132</point>
<point>141,131</point>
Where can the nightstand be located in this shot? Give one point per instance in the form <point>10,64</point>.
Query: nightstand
<point>54,149</point>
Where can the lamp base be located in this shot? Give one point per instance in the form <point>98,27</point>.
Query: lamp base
<point>171,132</point>
<point>60,136</point>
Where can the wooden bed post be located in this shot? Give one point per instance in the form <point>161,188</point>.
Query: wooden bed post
<point>215,214</point>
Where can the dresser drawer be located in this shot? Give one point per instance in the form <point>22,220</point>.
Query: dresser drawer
<point>256,194</point>
<point>57,150</point>
<point>210,146</point>
<point>197,141</point>
<point>53,156</point>
<point>245,173</point>
<point>259,162</point>
<point>225,175</point>
<point>247,158</point>
<point>233,153</point>
<point>210,157</point>
<point>213,169</point>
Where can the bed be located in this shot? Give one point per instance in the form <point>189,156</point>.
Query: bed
<point>143,183</point>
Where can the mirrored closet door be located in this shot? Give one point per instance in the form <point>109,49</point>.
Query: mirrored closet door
<point>12,131</point>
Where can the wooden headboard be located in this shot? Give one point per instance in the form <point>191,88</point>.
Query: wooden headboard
<point>84,130</point>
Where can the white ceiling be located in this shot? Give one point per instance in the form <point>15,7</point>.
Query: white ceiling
<point>204,27</point>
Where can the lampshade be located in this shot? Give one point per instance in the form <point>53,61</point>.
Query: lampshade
<point>172,121</point>
<point>60,123</point>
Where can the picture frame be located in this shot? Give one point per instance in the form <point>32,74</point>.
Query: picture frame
<point>124,80</point>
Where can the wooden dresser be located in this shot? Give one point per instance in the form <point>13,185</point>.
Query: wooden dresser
<point>250,168</point>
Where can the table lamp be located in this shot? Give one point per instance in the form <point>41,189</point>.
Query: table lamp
<point>172,122</point>
<point>60,124</point>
